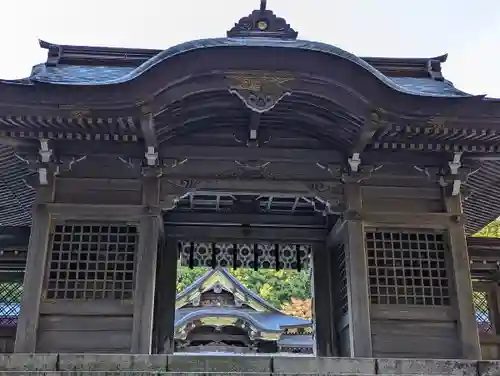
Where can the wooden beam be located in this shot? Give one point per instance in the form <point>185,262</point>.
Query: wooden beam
<point>148,130</point>
<point>230,153</point>
<point>145,272</point>
<point>467,323</point>
<point>34,277</point>
<point>68,211</point>
<point>243,233</point>
<point>418,220</point>
<point>323,296</point>
<point>357,278</point>
<point>371,125</point>
<point>167,279</point>
<point>218,218</point>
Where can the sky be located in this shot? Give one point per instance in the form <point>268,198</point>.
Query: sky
<point>468,30</point>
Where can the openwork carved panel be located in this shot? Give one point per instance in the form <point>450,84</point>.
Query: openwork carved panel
<point>407,267</point>
<point>92,262</point>
<point>252,255</point>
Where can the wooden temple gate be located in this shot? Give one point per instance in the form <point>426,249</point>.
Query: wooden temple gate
<point>222,142</point>
<point>387,285</point>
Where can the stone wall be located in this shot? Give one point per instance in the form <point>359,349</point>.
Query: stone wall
<point>88,364</point>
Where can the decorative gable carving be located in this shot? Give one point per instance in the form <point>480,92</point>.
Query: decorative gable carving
<point>217,298</point>
<point>262,23</point>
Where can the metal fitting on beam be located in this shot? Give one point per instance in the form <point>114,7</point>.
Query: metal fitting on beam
<point>354,162</point>
<point>45,152</point>
<point>42,176</point>
<point>455,165</point>
<point>151,156</point>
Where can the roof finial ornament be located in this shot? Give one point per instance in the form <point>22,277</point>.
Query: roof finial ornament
<point>262,23</point>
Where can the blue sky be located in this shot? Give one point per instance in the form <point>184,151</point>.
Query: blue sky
<point>469,30</point>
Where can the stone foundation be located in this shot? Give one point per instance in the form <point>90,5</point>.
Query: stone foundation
<point>94,364</point>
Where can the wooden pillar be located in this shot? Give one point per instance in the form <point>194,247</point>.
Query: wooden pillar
<point>357,275</point>
<point>323,291</point>
<point>27,325</point>
<point>462,282</point>
<point>145,273</point>
<point>167,284</point>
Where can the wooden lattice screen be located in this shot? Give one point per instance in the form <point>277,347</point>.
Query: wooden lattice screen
<point>92,261</point>
<point>11,292</point>
<point>407,267</point>
<point>483,311</point>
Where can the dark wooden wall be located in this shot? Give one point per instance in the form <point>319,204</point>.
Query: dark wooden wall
<point>405,244</point>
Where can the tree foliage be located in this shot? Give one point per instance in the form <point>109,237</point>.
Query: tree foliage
<point>490,231</point>
<point>298,308</point>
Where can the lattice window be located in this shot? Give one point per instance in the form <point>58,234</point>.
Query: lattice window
<point>10,300</point>
<point>92,262</point>
<point>340,281</point>
<point>482,308</point>
<point>407,267</point>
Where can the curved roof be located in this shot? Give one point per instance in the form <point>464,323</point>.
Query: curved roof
<point>266,321</point>
<point>93,67</point>
<point>266,317</point>
<point>220,274</point>
<point>66,74</point>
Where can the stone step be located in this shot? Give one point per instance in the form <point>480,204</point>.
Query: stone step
<point>214,365</point>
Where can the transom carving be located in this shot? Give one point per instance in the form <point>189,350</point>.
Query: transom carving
<point>251,255</point>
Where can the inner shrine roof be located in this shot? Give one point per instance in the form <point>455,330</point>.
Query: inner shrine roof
<point>220,276</point>
<point>262,315</point>
<point>267,321</point>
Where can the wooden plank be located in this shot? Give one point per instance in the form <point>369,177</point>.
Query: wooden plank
<point>68,211</point>
<point>98,191</point>
<point>279,188</point>
<point>467,323</point>
<point>357,278</point>
<point>280,220</point>
<point>102,307</point>
<point>395,312</point>
<point>85,323</point>
<point>426,193</point>
<point>397,205</point>
<point>145,275</point>
<point>220,233</point>
<point>417,346</point>
<point>27,325</point>
<point>324,318</point>
<point>417,328</point>
<point>84,341</point>
<point>405,219</point>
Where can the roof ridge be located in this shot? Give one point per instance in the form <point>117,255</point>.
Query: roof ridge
<point>126,56</point>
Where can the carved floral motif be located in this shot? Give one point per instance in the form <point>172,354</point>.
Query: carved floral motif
<point>260,92</point>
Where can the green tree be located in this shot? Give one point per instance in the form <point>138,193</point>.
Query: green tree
<point>186,276</point>
<point>277,287</point>
<point>492,230</point>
